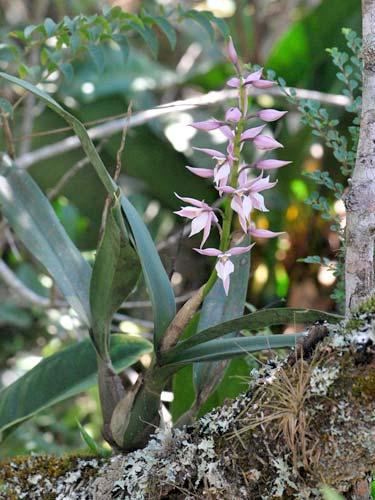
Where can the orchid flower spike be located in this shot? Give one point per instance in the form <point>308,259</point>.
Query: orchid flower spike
<point>201,215</point>
<point>224,266</point>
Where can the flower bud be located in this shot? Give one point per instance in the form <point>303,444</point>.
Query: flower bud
<point>232,54</point>
<point>233,115</point>
<point>266,143</point>
<point>270,115</point>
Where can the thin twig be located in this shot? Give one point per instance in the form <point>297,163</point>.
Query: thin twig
<point>15,284</point>
<point>8,136</point>
<point>117,172</point>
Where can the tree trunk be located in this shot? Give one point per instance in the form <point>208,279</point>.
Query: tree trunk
<point>360,201</point>
<point>303,423</point>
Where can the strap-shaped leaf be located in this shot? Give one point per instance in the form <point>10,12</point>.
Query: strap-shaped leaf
<point>255,322</point>
<point>35,223</point>
<point>218,349</point>
<point>61,376</point>
<point>157,281</point>
<point>115,273</point>
<point>217,308</point>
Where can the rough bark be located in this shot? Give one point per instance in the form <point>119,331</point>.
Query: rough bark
<point>360,201</point>
<point>302,423</point>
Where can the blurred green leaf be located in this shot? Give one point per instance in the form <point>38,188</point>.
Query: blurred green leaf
<point>97,55</point>
<point>331,494</point>
<point>11,314</point>
<point>61,376</point>
<point>167,29</point>
<point>202,18</point>
<point>6,106</point>
<point>114,275</point>
<point>35,223</point>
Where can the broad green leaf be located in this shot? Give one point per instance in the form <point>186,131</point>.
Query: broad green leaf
<point>11,314</point>
<point>219,349</point>
<point>156,278</point>
<point>50,26</point>
<point>61,376</point>
<point>35,223</point>
<point>114,275</point>
<point>257,321</point>
<point>217,308</point>
<point>97,55</point>
<point>123,44</point>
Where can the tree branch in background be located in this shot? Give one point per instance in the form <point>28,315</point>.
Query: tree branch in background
<point>142,117</point>
<point>360,201</point>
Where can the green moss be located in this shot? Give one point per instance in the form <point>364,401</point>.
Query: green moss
<point>16,471</point>
<point>365,385</point>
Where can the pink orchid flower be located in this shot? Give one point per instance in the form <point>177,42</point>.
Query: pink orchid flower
<point>221,171</point>
<point>224,266</point>
<point>246,197</point>
<point>262,233</point>
<point>201,215</point>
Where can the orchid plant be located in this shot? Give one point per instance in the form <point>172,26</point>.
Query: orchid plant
<point>124,252</point>
<point>231,177</point>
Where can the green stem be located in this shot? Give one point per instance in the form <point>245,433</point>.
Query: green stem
<point>228,214</point>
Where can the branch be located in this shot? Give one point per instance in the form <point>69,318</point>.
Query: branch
<point>115,126</point>
<point>360,201</point>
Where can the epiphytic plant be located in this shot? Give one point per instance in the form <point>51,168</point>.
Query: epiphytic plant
<point>126,250</point>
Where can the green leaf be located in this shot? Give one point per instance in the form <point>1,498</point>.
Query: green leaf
<point>217,308</point>
<point>202,18</point>
<point>50,26</point>
<point>67,70</point>
<point>257,321</point>
<point>35,223</point>
<point>159,287</point>
<point>61,376</point>
<point>6,106</point>
<point>167,29</point>
<point>93,446</point>
<point>115,273</point>
<point>11,314</point>
<point>219,349</point>
<point>122,42</point>
<point>97,55</point>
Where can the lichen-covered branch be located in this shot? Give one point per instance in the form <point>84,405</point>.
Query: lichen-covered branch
<point>303,422</point>
<point>360,201</point>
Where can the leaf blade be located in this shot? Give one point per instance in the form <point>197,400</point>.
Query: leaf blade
<point>61,376</point>
<point>34,221</point>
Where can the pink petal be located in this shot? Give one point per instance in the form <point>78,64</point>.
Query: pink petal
<point>227,189</point>
<point>263,84</point>
<point>240,250</point>
<point>266,143</point>
<point>247,206</point>
<point>242,178</point>
<point>224,270</point>
<point>227,132</point>
<point>222,172</point>
<point>232,51</point>
<point>199,223</point>
<point>251,133</point>
<point>270,164</point>
<point>270,115</point>
<point>234,82</point>
<point>262,184</point>
<point>206,125</point>
<point>258,202</point>
<point>193,201</point>
<point>210,252</point>
<point>207,228</point>
<point>218,155</point>
<point>188,212</point>
<point>233,115</point>
<point>253,77</point>
<point>206,173</point>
